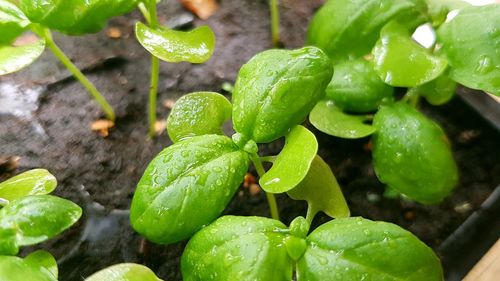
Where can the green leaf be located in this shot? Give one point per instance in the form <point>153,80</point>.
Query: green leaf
<point>439,9</point>
<point>42,259</point>
<point>321,191</point>
<point>17,269</point>
<point>187,186</point>
<point>470,41</point>
<point>33,182</point>
<point>276,90</point>
<point>330,119</point>
<point>356,87</point>
<point>124,272</point>
<point>411,154</point>
<point>12,22</point>
<point>198,114</point>
<point>195,46</point>
<point>8,243</point>
<point>360,249</point>
<point>293,162</point>
<point>402,62</point>
<point>38,218</point>
<point>13,59</point>
<point>238,248</point>
<point>437,92</point>
<point>344,28</point>
<point>75,17</point>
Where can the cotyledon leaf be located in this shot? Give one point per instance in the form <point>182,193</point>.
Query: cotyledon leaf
<point>437,92</point>
<point>12,22</point>
<point>14,58</point>
<point>195,46</point>
<point>238,248</point>
<point>352,249</point>
<point>187,186</point>
<point>198,114</point>
<point>16,269</point>
<point>292,163</point>
<point>321,191</point>
<point>330,119</point>
<point>42,259</point>
<point>124,272</point>
<point>33,182</point>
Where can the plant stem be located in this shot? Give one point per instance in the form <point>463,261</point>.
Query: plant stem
<point>310,214</point>
<point>273,206</point>
<point>275,22</point>
<point>108,110</point>
<point>412,97</point>
<point>152,19</point>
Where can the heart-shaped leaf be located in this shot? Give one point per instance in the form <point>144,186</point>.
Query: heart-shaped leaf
<point>360,249</point>
<point>330,119</point>
<point>13,59</point>
<point>124,272</point>
<point>470,41</point>
<point>33,182</point>
<point>42,259</point>
<point>198,114</point>
<point>195,46</point>
<point>402,62</point>
<point>17,269</point>
<point>12,22</point>
<point>187,186</point>
<point>238,248</point>
<point>292,164</point>
<point>321,191</point>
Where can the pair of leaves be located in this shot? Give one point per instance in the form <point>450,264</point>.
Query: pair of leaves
<point>253,248</point>
<point>37,266</point>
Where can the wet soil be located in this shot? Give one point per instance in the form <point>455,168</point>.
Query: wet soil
<point>52,131</point>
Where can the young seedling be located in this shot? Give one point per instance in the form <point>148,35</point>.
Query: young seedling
<point>373,52</point>
<point>196,46</point>
<point>70,17</point>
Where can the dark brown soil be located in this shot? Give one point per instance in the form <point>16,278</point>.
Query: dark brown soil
<point>101,173</point>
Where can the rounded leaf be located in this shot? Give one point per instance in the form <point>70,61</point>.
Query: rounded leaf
<point>16,58</point>
<point>198,114</point>
<point>16,269</point>
<point>32,182</point>
<point>439,91</point>
<point>330,119</point>
<point>402,62</point>
<point>238,248</point>
<point>75,17</point>
<point>471,41</point>
<point>42,259</point>
<point>195,46</point>
<point>12,22</point>
<point>356,87</point>
<point>38,218</point>
<point>360,249</point>
<point>187,186</point>
<point>293,162</point>
<point>124,272</point>
<point>276,90</point>
<point>411,154</point>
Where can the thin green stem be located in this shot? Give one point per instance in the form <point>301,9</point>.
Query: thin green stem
<point>412,97</point>
<point>270,159</point>
<point>108,110</point>
<point>273,206</point>
<point>152,19</point>
<point>311,212</point>
<point>275,22</point>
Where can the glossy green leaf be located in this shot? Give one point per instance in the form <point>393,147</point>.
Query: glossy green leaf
<point>17,269</point>
<point>402,62</point>
<point>321,191</point>
<point>198,114</point>
<point>471,41</point>
<point>42,259</point>
<point>13,59</point>
<point>12,22</point>
<point>411,154</point>
<point>75,17</point>
<point>33,182</point>
<point>276,90</point>
<point>344,28</point>
<point>38,218</point>
<point>195,46</point>
<point>124,272</point>
<point>437,92</point>
<point>8,244</point>
<point>359,249</point>
<point>187,186</point>
<point>238,248</point>
<point>293,162</point>
<point>356,87</point>
<point>439,9</point>
<point>330,119</point>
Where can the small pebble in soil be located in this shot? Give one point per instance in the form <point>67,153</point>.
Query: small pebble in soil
<point>114,33</point>
<point>168,103</point>
<point>464,207</point>
<point>254,189</point>
<point>372,197</point>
